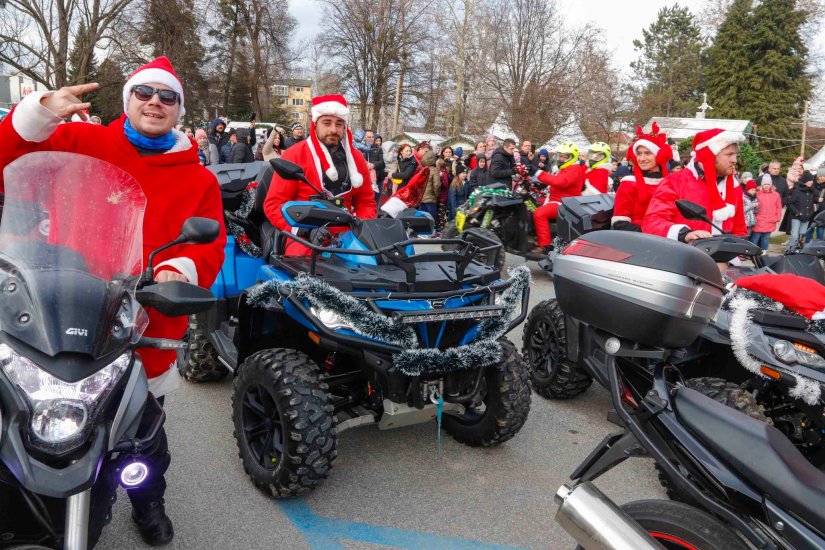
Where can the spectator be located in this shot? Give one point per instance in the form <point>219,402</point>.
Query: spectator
<point>429,201</point>
<point>241,151</point>
<point>542,161</point>
<point>492,145</point>
<point>374,155</point>
<point>443,194</point>
<point>819,194</point>
<point>502,163</point>
<point>406,168</point>
<point>188,131</point>
<point>801,210</point>
<point>527,156</point>
<point>220,139</point>
<point>750,204</point>
<point>480,175</point>
<point>272,148</point>
<point>422,147</point>
<point>447,157</point>
<point>390,165</point>
<point>458,193</point>
<point>204,147</point>
<point>744,179</point>
<point>481,147</point>
<point>769,214</point>
<point>296,137</point>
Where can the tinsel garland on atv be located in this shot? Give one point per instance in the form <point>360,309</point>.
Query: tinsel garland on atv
<point>247,202</point>
<point>741,302</point>
<point>413,361</point>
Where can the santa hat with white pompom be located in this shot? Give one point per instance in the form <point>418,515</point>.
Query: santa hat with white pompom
<point>157,71</point>
<point>333,105</point>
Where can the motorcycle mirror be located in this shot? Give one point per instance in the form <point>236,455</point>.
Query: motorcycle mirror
<point>199,231</point>
<point>691,211</point>
<point>287,170</point>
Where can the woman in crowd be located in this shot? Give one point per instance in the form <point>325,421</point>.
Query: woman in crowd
<point>491,146</point>
<point>769,213</point>
<point>204,151</point>
<point>481,147</point>
<point>458,193</point>
<point>273,147</point>
<point>406,168</point>
<point>449,162</point>
<point>429,200</point>
<point>443,194</point>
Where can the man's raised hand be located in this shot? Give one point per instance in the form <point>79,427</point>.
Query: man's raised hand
<point>66,101</point>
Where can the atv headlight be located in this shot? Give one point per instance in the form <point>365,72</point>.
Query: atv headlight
<point>60,411</point>
<point>329,318</point>
<point>797,353</point>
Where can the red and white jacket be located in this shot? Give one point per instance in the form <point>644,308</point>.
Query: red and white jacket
<point>632,199</point>
<point>596,181</point>
<point>567,183</point>
<point>176,187</point>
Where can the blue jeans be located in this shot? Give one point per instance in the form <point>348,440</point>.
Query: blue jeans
<point>820,231</point>
<point>798,227</point>
<point>760,239</point>
<point>431,208</point>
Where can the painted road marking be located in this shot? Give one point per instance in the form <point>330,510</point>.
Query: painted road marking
<point>323,533</point>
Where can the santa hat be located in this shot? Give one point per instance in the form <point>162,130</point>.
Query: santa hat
<point>800,294</point>
<point>706,145</point>
<point>332,105</point>
<point>157,71</point>
<point>656,143</point>
<point>751,185</point>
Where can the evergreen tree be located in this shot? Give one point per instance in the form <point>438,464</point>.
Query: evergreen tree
<point>108,103</point>
<point>82,62</point>
<point>670,65</point>
<point>731,83</point>
<point>239,105</point>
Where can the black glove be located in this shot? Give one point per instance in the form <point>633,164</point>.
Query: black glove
<point>320,236</point>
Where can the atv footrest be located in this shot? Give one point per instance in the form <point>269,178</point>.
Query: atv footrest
<point>352,417</point>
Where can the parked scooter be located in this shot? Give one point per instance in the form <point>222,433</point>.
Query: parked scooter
<point>73,392</point>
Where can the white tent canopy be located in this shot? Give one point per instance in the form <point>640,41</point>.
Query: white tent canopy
<point>815,161</point>
<point>570,131</point>
<point>685,128</point>
<point>501,130</point>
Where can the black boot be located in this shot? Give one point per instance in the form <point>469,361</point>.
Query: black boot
<point>154,525</point>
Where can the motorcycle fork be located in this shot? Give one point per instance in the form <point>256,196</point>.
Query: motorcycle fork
<point>77,521</point>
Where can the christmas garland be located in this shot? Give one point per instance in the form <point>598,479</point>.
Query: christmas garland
<point>741,302</point>
<point>413,361</point>
<point>243,240</point>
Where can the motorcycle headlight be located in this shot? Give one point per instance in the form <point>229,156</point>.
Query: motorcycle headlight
<point>329,318</point>
<point>797,353</point>
<point>61,412</point>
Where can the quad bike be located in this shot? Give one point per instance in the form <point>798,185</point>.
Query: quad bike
<point>367,330</point>
<point>76,412</point>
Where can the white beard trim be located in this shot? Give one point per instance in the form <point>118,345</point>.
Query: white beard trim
<point>724,213</point>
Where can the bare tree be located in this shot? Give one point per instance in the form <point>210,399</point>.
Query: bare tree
<point>35,35</point>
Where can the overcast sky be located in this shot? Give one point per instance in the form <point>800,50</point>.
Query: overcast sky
<point>622,22</point>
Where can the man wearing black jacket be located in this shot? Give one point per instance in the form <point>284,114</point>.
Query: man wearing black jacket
<point>375,159</point>
<point>503,164</point>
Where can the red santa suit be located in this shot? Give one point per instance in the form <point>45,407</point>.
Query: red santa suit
<point>567,183</point>
<point>697,183</point>
<point>596,180</point>
<point>314,158</point>
<point>176,187</point>
<point>636,191</point>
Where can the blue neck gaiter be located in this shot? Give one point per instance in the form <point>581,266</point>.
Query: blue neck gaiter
<point>162,143</point>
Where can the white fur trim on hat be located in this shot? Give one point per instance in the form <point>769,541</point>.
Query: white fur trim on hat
<point>647,144</point>
<point>719,141</point>
<point>153,76</point>
<point>333,108</point>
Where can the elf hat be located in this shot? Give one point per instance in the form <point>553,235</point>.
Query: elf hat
<point>157,71</point>
<point>706,145</point>
<point>656,143</point>
<point>332,105</point>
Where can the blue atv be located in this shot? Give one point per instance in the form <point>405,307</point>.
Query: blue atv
<point>374,326</point>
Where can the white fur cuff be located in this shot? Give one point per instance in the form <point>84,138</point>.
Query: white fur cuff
<point>32,121</point>
<point>185,266</point>
<point>724,213</point>
<point>675,229</point>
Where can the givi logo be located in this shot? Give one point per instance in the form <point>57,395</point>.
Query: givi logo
<point>77,332</point>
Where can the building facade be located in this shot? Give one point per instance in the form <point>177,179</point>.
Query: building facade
<point>13,88</point>
<point>293,95</point>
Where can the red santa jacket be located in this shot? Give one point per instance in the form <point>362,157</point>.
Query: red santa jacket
<point>633,199</point>
<point>664,219</point>
<point>360,200</point>
<point>567,183</point>
<point>596,181</point>
<point>176,187</point>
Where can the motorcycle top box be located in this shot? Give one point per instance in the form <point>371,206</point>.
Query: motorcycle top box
<point>641,287</point>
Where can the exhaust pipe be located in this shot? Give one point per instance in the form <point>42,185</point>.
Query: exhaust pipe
<point>597,523</point>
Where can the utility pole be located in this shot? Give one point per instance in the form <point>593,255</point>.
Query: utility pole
<point>804,129</point>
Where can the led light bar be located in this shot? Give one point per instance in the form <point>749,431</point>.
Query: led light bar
<point>479,312</point>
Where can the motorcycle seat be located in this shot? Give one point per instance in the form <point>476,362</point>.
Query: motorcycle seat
<point>762,455</point>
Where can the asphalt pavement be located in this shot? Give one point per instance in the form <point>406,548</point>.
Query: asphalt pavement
<point>388,489</point>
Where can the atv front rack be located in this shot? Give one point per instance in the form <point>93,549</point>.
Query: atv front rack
<point>396,253</point>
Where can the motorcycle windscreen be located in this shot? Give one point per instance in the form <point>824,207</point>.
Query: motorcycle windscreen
<point>71,253</point>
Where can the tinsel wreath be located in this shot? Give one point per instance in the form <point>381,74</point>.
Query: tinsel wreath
<point>741,302</point>
<point>413,361</point>
<point>247,202</point>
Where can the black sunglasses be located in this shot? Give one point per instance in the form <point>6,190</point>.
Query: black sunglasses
<point>145,93</point>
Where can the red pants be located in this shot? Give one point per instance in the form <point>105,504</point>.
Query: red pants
<point>541,219</point>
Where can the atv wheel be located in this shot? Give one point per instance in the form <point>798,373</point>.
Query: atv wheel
<point>501,408</point>
<point>284,424</point>
<point>728,394</point>
<point>678,526</point>
<point>545,350</point>
<point>201,363</point>
<point>450,232</point>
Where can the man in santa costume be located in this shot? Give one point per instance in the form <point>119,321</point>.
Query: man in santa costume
<point>164,161</point>
<point>597,176</point>
<point>330,163</point>
<point>707,181</point>
<point>650,155</point>
<point>568,182</point>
